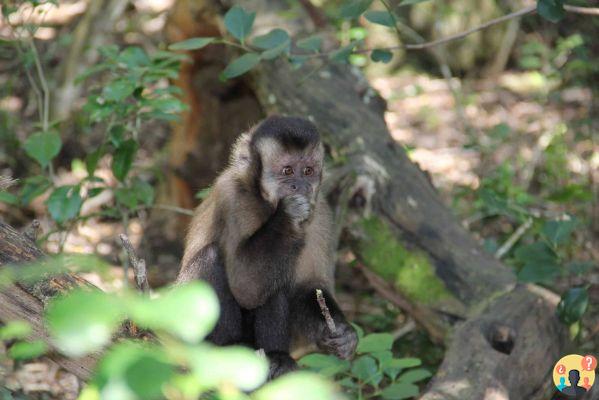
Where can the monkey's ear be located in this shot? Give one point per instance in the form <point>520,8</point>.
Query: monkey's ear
<point>240,154</point>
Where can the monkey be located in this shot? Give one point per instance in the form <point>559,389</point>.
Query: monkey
<point>262,239</point>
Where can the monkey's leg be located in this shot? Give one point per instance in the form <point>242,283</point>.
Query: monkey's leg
<point>207,265</point>
<point>308,321</point>
<point>271,329</point>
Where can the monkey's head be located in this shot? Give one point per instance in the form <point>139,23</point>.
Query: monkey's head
<point>288,156</point>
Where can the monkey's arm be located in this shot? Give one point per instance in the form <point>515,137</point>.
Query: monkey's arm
<point>260,262</point>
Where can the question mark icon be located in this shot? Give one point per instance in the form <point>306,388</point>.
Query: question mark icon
<point>589,363</point>
<point>560,369</point>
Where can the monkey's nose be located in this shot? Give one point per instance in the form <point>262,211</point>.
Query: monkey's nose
<point>293,187</point>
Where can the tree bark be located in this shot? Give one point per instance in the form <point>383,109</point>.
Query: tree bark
<point>26,302</point>
<point>510,338</point>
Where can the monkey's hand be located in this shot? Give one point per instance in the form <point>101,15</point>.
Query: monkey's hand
<point>342,343</point>
<point>298,208</point>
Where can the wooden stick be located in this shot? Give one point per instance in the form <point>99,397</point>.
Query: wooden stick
<point>6,182</point>
<point>325,311</point>
<point>139,265</point>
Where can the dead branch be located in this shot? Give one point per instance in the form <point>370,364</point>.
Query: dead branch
<point>424,317</point>
<point>324,309</point>
<point>6,182</point>
<point>139,265</point>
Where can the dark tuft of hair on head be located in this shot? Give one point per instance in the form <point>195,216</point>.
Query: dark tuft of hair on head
<point>292,132</point>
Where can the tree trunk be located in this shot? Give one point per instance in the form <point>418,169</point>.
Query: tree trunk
<point>509,338</point>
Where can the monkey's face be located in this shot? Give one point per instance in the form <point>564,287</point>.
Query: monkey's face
<point>290,172</point>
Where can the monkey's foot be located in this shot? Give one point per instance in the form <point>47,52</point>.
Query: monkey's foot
<point>342,344</point>
<point>280,363</point>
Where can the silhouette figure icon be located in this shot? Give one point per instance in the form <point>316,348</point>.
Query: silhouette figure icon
<point>574,389</point>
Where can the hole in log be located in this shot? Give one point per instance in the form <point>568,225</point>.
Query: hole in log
<point>501,337</point>
<point>358,200</point>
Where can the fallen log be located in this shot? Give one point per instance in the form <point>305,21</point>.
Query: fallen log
<point>26,302</point>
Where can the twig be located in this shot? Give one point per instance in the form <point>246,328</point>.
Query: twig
<point>581,10</point>
<point>180,210</point>
<point>6,182</point>
<point>139,265</point>
<point>325,311</point>
<point>461,35</point>
<point>511,241</point>
<point>424,317</point>
<point>32,230</point>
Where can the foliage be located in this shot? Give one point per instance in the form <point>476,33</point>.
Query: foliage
<point>374,373</point>
<point>176,363</point>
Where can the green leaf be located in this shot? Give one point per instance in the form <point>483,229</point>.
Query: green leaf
<point>558,232</point>
<point>342,54</point>
<point>400,390</point>
<point>573,305</point>
<point>116,135</point>
<point>381,18</point>
<point>192,44</point>
<point>364,368</point>
<point>410,2</point>
<point>379,55</point>
<point>33,187</point>
<point>144,192</point>
<point>239,22</point>
<point>551,10</point>
<point>43,147</point>
<point>15,330</point>
<point>133,56</point>
<point>126,197</point>
<point>269,54</point>
<point>92,159</point>
<point>415,375</point>
<point>579,267</point>
<point>537,252</point>
<point>540,263</point>
<point>375,342</point>
<point>186,311</point>
<point>354,9</point>
<point>311,43</point>
<point>324,364</point>
<point>64,203</point>
<point>359,330</point>
<point>8,198</point>
<point>118,90</point>
<point>240,66</point>
<point>234,365</point>
<point>123,159</point>
<point>27,350</point>
<point>297,386</point>
<point>83,321</point>
<point>534,272</point>
<point>272,39</point>
<point>133,370</point>
<point>393,367</point>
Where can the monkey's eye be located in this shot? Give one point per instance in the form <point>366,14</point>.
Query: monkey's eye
<point>308,171</point>
<point>287,170</point>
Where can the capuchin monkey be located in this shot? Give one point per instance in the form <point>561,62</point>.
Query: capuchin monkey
<point>263,240</point>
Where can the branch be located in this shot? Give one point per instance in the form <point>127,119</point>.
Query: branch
<point>581,10</point>
<point>325,311</point>
<point>424,317</point>
<point>511,241</point>
<point>6,182</point>
<point>461,35</point>
<point>139,265</point>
